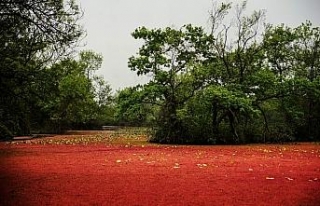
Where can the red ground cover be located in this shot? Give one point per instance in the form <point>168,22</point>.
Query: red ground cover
<point>117,174</point>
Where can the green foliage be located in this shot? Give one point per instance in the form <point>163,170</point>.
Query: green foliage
<point>239,83</point>
<point>217,88</point>
<point>5,132</point>
<point>30,39</point>
<point>129,108</point>
<point>175,59</point>
<point>73,98</point>
<point>294,56</point>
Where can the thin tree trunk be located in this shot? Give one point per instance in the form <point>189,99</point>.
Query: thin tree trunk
<point>266,124</point>
<point>233,126</point>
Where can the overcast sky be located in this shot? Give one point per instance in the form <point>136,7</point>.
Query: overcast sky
<point>109,24</point>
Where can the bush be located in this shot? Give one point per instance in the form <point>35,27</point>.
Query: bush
<point>5,132</point>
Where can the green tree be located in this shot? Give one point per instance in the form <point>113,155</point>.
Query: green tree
<point>307,56</point>
<point>71,98</point>
<point>32,34</point>
<point>133,107</point>
<point>246,81</point>
<point>239,62</point>
<point>104,100</point>
<point>170,56</point>
<point>293,55</point>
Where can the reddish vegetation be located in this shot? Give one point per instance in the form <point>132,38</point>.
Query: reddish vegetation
<point>119,174</point>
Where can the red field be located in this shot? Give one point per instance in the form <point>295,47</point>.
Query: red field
<point>65,171</point>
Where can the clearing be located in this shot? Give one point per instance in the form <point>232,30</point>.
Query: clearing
<point>115,169</point>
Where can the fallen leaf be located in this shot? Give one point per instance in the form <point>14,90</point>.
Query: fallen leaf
<point>202,165</point>
<point>269,178</point>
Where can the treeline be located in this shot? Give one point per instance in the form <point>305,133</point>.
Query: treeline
<point>240,82</point>
<point>45,85</point>
<point>244,81</point>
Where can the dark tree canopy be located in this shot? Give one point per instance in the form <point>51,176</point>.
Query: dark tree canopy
<point>242,81</point>
<point>245,81</point>
<point>33,34</point>
<point>38,27</point>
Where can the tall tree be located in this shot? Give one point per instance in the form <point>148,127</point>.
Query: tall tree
<point>239,59</point>
<point>71,98</point>
<point>134,107</point>
<point>32,34</point>
<point>293,55</point>
<point>174,59</point>
<point>245,81</point>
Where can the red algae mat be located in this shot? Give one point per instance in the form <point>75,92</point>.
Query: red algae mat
<point>145,174</point>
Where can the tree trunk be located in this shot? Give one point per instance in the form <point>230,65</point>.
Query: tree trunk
<point>233,128</point>
<point>266,124</point>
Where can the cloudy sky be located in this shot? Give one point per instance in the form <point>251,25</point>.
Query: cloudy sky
<point>109,24</point>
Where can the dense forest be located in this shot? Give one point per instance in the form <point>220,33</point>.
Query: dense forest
<point>239,81</point>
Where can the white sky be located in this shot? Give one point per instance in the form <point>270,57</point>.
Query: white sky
<point>109,24</point>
